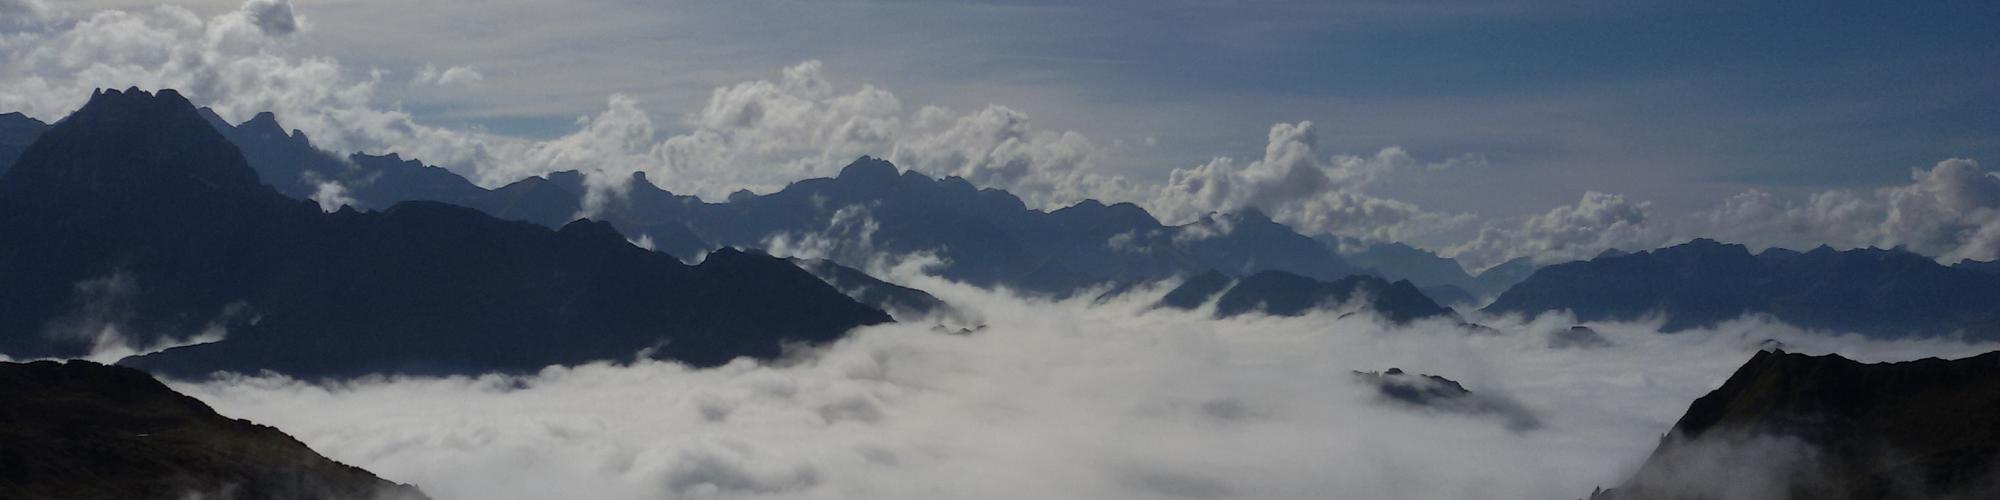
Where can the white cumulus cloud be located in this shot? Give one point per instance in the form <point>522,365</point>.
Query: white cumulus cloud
<point>455,75</point>
<point>1297,184</point>
<point>1950,211</point>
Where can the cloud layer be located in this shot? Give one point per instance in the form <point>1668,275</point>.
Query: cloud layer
<point>1950,211</point>
<point>1051,400</point>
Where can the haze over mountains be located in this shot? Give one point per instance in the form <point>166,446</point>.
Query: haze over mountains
<point>1888,293</point>
<point>996,250</point>
<point>987,236</point>
<point>144,222</point>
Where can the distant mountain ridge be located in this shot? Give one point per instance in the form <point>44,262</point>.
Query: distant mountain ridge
<point>1885,293</point>
<point>1279,293</point>
<point>88,431</point>
<point>134,220</point>
<point>988,237</point>
<point>1442,278</point>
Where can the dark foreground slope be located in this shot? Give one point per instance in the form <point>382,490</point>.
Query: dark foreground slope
<point>81,430</point>
<point>1885,293</point>
<point>1810,427</point>
<point>134,220</point>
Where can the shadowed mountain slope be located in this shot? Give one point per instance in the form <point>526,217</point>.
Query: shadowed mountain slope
<point>16,132</point>
<point>87,431</point>
<point>1279,293</point>
<point>1807,427</point>
<point>138,223</point>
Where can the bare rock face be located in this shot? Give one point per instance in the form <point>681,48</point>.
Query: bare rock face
<point>82,430</point>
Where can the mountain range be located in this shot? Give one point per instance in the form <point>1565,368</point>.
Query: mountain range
<point>1441,278</point>
<point>1278,293</point>
<point>1884,293</point>
<point>984,237</point>
<point>988,237</point>
<point>82,430</point>
<point>133,220</point>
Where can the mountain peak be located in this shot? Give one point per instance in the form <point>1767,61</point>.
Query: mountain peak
<point>1252,214</point>
<point>13,117</point>
<point>870,170</point>
<point>264,123</point>
<point>130,141</point>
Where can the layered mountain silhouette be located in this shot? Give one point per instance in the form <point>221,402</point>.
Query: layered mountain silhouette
<point>904,303</point>
<point>134,220</point>
<point>1441,278</point>
<point>1807,427</point>
<point>1279,293</point>
<point>1887,293</point>
<point>987,237</point>
<point>89,431</point>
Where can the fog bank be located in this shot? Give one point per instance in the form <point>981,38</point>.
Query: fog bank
<point>1051,400</point>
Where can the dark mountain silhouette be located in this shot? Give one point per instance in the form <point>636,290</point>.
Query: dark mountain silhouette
<point>1980,266</point>
<point>1435,393</point>
<point>1280,293</point>
<point>905,303</point>
<point>295,167</point>
<point>987,236</point>
<point>1442,278</point>
<point>88,431</point>
<point>1700,283</point>
<point>1808,427</point>
<point>1450,295</point>
<point>1505,275</point>
<point>133,218</point>
<point>1577,337</point>
<point>16,132</point>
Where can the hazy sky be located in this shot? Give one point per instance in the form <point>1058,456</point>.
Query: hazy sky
<point>1516,107</point>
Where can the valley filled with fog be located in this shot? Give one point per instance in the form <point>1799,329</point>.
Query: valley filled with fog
<point>516,250</point>
<point>1064,399</point>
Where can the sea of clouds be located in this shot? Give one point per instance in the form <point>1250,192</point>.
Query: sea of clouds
<point>1051,399</point>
